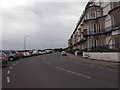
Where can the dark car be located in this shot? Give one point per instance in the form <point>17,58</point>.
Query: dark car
<point>11,54</point>
<point>17,54</point>
<point>3,60</point>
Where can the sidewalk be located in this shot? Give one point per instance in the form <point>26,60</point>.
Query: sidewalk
<point>97,62</point>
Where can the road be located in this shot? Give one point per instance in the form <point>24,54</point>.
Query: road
<point>56,71</point>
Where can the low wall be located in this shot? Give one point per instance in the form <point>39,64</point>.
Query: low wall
<point>107,56</point>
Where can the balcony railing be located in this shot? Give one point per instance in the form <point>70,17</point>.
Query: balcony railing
<point>115,6</point>
<point>104,31</point>
<point>95,18</point>
<point>104,48</point>
<point>93,6</point>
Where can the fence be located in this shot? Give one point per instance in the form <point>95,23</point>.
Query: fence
<point>104,48</point>
<point>105,31</point>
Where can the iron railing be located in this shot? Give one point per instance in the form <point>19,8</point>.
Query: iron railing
<point>104,31</point>
<point>104,48</point>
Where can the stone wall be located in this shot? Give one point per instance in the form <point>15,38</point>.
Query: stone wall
<point>107,56</point>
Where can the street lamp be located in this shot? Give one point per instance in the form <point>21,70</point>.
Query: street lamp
<point>25,41</point>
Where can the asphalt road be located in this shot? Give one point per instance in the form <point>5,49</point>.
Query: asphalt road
<point>56,71</point>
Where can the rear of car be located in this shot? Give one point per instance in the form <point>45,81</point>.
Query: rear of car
<point>3,60</point>
<point>21,54</point>
<point>64,53</point>
<point>11,54</point>
<point>17,54</point>
<point>35,52</point>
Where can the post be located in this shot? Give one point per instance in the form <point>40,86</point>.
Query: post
<point>25,41</point>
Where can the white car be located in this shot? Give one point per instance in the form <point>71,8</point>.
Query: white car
<point>64,53</point>
<point>35,52</point>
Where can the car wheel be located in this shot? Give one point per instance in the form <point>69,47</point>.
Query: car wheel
<point>11,58</point>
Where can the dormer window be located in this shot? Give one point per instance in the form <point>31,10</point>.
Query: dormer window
<point>93,14</point>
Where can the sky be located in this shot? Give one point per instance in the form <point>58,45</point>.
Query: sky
<point>46,24</point>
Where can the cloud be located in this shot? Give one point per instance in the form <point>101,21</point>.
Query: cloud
<point>49,24</point>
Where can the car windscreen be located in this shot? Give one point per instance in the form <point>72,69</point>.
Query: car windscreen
<point>2,55</point>
<point>6,52</point>
<point>13,52</point>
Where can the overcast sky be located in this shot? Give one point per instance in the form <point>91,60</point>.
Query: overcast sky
<point>48,24</point>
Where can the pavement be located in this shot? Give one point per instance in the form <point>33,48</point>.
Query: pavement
<point>56,71</point>
<point>115,65</point>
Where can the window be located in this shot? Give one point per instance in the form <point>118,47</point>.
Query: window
<point>116,19</point>
<point>93,42</point>
<point>117,42</point>
<point>102,26</point>
<point>93,14</point>
<point>115,4</point>
<point>92,28</point>
<point>90,42</point>
<point>86,16</point>
<point>102,42</point>
<point>6,52</point>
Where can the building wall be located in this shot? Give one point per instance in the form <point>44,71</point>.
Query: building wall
<point>97,18</point>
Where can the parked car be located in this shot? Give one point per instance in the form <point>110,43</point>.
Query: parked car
<point>27,54</point>
<point>64,53</point>
<point>35,52</point>
<point>17,53</point>
<point>39,52</point>
<point>21,54</point>
<point>3,60</point>
<point>11,54</point>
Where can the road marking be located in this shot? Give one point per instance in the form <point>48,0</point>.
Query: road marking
<point>10,68</point>
<point>47,62</point>
<point>13,64</point>
<point>8,72</point>
<point>74,72</point>
<point>76,62</point>
<point>44,58</point>
<point>16,62</point>
<point>8,79</point>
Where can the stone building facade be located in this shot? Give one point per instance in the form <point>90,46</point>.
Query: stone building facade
<point>98,28</point>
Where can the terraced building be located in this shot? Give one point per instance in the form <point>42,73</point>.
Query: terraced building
<point>97,33</point>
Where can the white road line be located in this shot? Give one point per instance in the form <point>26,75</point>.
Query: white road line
<point>10,68</point>
<point>8,79</point>
<point>74,72</point>
<point>16,62</point>
<point>47,62</point>
<point>76,62</point>
<point>44,58</point>
<point>8,72</point>
<point>60,57</point>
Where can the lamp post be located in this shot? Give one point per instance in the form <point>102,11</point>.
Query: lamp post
<point>25,41</point>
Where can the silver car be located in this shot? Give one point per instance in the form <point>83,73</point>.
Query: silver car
<point>11,54</point>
